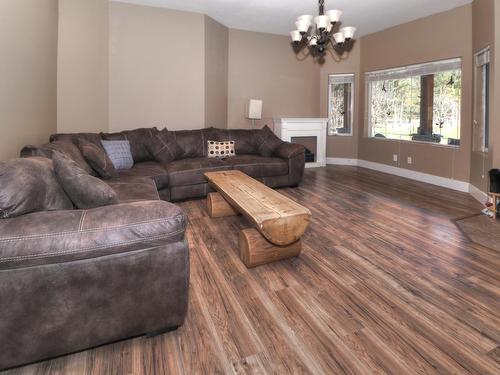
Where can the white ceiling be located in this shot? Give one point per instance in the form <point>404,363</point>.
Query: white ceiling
<point>278,16</point>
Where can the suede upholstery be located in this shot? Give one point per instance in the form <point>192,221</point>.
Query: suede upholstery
<point>150,169</point>
<point>96,156</point>
<point>186,172</point>
<point>84,190</point>
<point>138,138</point>
<point>30,185</point>
<point>164,148</point>
<point>133,189</point>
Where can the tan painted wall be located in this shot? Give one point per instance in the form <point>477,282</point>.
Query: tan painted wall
<point>441,36</point>
<point>28,73</point>
<point>82,94</point>
<point>264,66</point>
<point>483,35</point>
<point>342,146</point>
<point>157,68</point>
<point>216,60</point>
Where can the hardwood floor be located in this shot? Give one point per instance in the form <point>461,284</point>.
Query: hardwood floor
<point>385,283</point>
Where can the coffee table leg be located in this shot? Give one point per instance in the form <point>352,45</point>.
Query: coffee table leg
<point>218,207</point>
<point>255,250</point>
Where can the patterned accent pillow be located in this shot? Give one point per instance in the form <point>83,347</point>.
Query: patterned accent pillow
<point>220,149</point>
<point>97,158</point>
<point>120,154</point>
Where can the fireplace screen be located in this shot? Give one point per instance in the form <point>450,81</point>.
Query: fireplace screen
<point>310,143</point>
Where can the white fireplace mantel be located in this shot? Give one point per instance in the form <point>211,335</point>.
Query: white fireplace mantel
<point>288,128</point>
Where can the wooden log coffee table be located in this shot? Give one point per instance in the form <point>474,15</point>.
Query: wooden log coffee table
<point>279,221</point>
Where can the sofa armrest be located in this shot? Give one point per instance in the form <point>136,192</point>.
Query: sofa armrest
<point>288,150</point>
<point>60,236</point>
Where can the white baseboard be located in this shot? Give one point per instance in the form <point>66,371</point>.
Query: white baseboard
<point>480,195</point>
<point>341,161</point>
<point>414,175</point>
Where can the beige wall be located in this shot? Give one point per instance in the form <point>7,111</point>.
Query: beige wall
<point>216,60</point>
<point>264,66</point>
<point>342,146</point>
<point>441,36</point>
<point>483,35</point>
<point>157,68</point>
<point>82,80</point>
<point>28,69</point>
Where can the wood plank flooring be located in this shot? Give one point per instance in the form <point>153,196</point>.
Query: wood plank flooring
<point>386,284</point>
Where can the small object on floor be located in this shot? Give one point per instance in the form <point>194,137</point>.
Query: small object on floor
<point>488,212</point>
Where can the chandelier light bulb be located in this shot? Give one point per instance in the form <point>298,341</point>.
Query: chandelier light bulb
<point>313,41</point>
<point>306,18</point>
<point>348,32</point>
<point>302,26</point>
<point>322,22</point>
<point>339,38</point>
<point>296,36</point>
<point>334,15</point>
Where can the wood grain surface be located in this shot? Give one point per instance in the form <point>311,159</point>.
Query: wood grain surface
<point>385,284</point>
<point>280,219</point>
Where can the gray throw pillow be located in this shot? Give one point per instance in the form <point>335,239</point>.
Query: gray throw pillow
<point>30,185</point>
<point>119,153</point>
<point>84,190</point>
<point>95,155</point>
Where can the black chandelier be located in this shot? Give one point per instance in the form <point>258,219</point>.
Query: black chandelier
<point>322,33</point>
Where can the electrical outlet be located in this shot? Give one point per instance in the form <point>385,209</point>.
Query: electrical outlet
<point>410,160</point>
<point>395,157</point>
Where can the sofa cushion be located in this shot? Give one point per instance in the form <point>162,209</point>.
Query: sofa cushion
<point>30,185</point>
<point>62,236</point>
<point>190,171</point>
<point>259,166</point>
<point>74,137</point>
<point>84,190</point>
<point>164,148</point>
<point>69,148</point>
<point>191,142</point>
<point>95,155</point>
<point>267,142</point>
<point>151,169</point>
<point>119,153</point>
<point>138,138</point>
<point>245,140</point>
<point>133,189</point>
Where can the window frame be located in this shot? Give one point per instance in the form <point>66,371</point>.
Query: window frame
<point>482,65</point>
<point>408,71</point>
<point>342,78</point>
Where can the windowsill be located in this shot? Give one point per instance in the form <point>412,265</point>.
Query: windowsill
<point>414,142</point>
<point>340,135</point>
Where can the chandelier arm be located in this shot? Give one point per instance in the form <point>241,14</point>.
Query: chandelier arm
<point>321,4</point>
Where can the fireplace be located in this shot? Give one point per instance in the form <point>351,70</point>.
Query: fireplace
<point>310,132</point>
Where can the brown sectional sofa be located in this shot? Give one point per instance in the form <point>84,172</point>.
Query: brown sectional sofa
<point>183,178</point>
<point>73,279</point>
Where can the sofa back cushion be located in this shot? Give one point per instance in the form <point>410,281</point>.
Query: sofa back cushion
<point>191,142</point>
<point>138,138</point>
<point>267,142</point>
<point>245,140</point>
<point>74,137</point>
<point>164,147</point>
<point>84,190</point>
<point>96,156</point>
<point>30,185</point>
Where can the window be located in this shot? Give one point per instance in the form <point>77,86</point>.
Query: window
<point>481,101</point>
<point>416,103</point>
<point>340,104</point>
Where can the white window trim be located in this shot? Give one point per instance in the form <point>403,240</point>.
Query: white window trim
<point>401,73</point>
<point>342,78</point>
<point>481,58</point>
